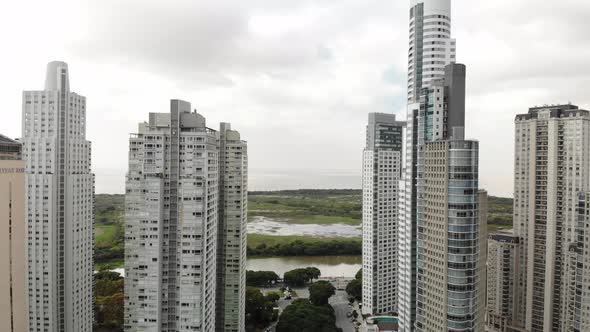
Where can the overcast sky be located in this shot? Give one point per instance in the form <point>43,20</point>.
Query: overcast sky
<point>296,78</point>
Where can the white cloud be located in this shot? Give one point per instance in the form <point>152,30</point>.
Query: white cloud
<point>297,78</point>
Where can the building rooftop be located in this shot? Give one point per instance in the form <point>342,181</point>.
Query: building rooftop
<point>555,111</point>
<point>9,149</point>
<point>7,141</point>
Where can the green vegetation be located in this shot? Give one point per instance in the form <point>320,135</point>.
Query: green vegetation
<point>320,292</point>
<point>303,316</point>
<point>109,251</point>
<point>108,301</point>
<point>259,309</point>
<point>499,213</point>
<point>308,206</point>
<point>261,278</point>
<point>269,245</point>
<point>354,289</point>
<point>300,277</point>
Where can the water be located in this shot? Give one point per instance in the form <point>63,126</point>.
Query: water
<point>269,226</point>
<point>281,179</point>
<point>330,266</point>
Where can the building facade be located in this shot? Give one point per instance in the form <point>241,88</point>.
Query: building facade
<point>552,166</point>
<point>381,176</point>
<point>504,252</point>
<point>575,313</point>
<point>450,212</point>
<point>13,238</point>
<point>430,49</point>
<point>60,199</point>
<point>171,215</point>
<point>233,206</point>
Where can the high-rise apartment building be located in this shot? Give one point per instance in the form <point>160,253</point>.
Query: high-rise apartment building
<point>504,250</point>
<point>381,176</point>
<point>575,311</point>
<point>431,47</point>
<point>430,50</point>
<point>551,167</point>
<point>60,199</point>
<point>13,240</point>
<point>450,211</point>
<point>231,242</point>
<point>171,215</point>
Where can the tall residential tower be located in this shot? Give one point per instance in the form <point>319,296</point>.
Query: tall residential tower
<point>13,238</point>
<point>451,212</point>
<point>504,250</point>
<point>231,234</point>
<point>575,312</point>
<point>551,168</point>
<point>430,50</point>
<point>60,191</point>
<point>381,175</point>
<point>171,215</point>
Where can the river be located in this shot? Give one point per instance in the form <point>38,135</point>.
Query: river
<point>330,266</point>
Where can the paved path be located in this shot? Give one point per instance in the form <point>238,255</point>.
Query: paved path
<point>340,304</point>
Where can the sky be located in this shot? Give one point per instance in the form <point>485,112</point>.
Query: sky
<point>296,78</point>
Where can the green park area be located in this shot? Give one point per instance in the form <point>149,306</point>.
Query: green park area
<point>320,207</point>
<point>294,206</point>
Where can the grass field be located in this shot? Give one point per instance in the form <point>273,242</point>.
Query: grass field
<point>109,265</point>
<point>254,240</point>
<point>104,234</point>
<point>307,207</point>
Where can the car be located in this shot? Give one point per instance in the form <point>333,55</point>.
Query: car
<point>348,314</point>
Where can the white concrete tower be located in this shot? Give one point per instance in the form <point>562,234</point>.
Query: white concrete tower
<point>431,47</point>
<point>231,250</point>
<point>171,214</point>
<point>60,202</point>
<point>381,176</point>
<point>551,168</point>
<point>430,50</point>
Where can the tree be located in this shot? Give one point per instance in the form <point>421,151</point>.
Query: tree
<point>302,316</point>
<point>313,272</point>
<point>320,292</point>
<point>273,296</point>
<point>109,301</point>
<point>300,277</point>
<point>354,289</point>
<point>261,278</point>
<point>259,309</point>
<point>297,277</point>
<point>359,274</point>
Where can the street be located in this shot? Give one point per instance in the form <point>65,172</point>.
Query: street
<point>340,304</point>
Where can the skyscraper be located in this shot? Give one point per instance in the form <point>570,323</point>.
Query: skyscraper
<point>551,167</point>
<point>450,211</point>
<point>430,50</point>
<point>575,310</point>
<point>431,47</point>
<point>171,216</point>
<point>503,261</point>
<point>233,202</point>
<point>381,175</point>
<point>13,278</point>
<point>60,191</point>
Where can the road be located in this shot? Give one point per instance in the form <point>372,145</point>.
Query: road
<point>340,304</point>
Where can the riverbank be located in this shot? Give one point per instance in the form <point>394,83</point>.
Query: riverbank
<point>270,245</point>
<point>330,266</point>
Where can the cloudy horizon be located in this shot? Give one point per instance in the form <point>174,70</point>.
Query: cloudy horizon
<point>297,79</point>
